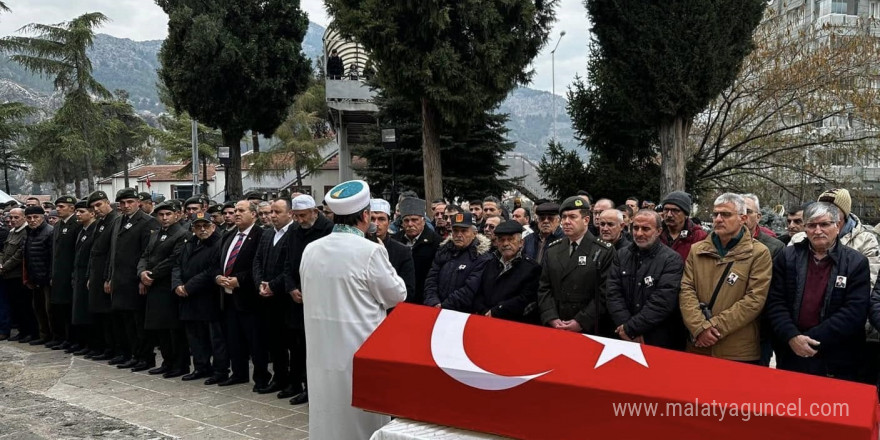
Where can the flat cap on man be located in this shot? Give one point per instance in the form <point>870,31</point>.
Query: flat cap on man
<point>215,209</point>
<point>194,199</point>
<point>548,208</point>
<point>165,206</point>
<point>31,210</point>
<point>509,227</point>
<point>81,204</point>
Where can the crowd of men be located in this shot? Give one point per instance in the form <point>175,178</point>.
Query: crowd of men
<point>218,287</point>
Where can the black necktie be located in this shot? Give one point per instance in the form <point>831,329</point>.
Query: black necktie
<point>574,247</point>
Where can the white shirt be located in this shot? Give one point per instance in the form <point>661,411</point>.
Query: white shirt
<point>347,286</point>
<point>20,228</point>
<point>280,233</point>
<point>235,238</point>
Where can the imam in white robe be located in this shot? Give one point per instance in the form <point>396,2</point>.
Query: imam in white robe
<point>347,286</point>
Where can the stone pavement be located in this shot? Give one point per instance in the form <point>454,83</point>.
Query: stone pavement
<point>49,394</point>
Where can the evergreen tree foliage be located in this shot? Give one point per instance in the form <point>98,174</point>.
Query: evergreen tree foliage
<point>664,62</point>
<point>471,154</point>
<point>457,59</point>
<point>235,65</point>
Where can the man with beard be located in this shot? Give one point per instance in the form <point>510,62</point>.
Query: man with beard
<point>312,226</point>
<point>192,279</point>
<point>100,306</point>
<point>399,255</point>
<point>643,287</point>
<point>129,238</point>
<point>422,241</point>
<point>679,232</point>
<point>162,307</point>
<point>509,284</point>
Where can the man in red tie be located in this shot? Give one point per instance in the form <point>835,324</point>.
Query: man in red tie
<point>240,297</point>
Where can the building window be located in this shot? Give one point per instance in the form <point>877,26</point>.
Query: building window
<point>874,10</point>
<point>849,7</point>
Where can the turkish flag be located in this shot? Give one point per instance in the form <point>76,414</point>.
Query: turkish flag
<point>531,382</point>
<point>148,182</point>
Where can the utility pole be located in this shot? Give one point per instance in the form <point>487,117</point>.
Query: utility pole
<point>553,74</point>
<point>195,157</point>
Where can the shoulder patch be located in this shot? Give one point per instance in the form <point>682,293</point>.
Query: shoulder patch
<point>554,243</point>
<point>604,243</point>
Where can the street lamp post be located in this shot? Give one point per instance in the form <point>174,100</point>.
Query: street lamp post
<point>553,74</point>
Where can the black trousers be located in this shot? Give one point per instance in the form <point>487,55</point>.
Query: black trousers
<point>278,343</point>
<point>245,342</point>
<point>297,339</point>
<point>206,341</point>
<point>59,321</point>
<point>21,301</point>
<point>107,338</point>
<point>138,342</point>
<point>41,303</point>
<point>174,348</point>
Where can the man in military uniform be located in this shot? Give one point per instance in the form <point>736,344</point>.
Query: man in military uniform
<point>161,306</point>
<point>216,213</point>
<point>90,341</point>
<point>61,297</point>
<point>146,200</point>
<point>228,226</point>
<point>129,238</point>
<point>571,293</point>
<point>115,349</point>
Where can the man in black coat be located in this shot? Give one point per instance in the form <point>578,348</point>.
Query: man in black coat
<point>399,255</point>
<point>192,279</point>
<point>643,286</point>
<point>161,306</point>
<point>37,257</point>
<point>422,241</point>
<point>270,265</point>
<point>312,226</point>
<point>90,338</point>
<point>61,296</point>
<point>116,349</point>
<point>236,278</point>
<point>129,237</point>
<point>819,299</point>
<point>509,285</point>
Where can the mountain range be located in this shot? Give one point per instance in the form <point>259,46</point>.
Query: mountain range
<point>120,63</point>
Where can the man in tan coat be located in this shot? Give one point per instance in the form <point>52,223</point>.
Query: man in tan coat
<point>737,267</point>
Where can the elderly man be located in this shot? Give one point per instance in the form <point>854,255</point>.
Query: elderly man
<point>724,287</point>
<point>455,274</point>
<point>611,225</point>
<point>489,224</point>
<point>312,226</point>
<point>509,285</point>
<point>598,208</point>
<point>422,241</point>
<point>571,294</point>
<point>819,300</point>
<point>399,255</point>
<point>20,298</point>
<point>643,287</point>
<point>348,285</point>
<point>794,221</point>
<point>192,280</point>
<point>37,255</point>
<point>753,221</point>
<point>549,231</point>
<point>679,232</point>
<point>265,215</point>
<point>162,307</point>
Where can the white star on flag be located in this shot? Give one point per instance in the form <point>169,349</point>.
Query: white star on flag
<point>613,348</point>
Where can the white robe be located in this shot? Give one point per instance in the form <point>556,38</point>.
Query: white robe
<point>347,286</point>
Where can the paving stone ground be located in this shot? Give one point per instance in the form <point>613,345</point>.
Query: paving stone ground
<point>46,394</point>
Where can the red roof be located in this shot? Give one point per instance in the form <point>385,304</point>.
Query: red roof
<point>161,173</point>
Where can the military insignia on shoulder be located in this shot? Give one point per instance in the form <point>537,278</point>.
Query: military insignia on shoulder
<point>603,242</point>
<point>555,243</point>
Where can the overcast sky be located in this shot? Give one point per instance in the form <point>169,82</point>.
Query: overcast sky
<point>143,20</point>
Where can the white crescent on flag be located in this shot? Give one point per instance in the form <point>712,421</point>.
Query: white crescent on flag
<point>447,349</point>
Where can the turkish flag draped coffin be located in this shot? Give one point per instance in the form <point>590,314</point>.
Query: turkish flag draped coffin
<point>531,382</point>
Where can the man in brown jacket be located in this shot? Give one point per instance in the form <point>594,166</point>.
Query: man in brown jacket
<point>735,269</point>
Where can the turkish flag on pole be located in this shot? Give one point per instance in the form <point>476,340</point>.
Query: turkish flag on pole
<point>148,183</point>
<point>532,382</point>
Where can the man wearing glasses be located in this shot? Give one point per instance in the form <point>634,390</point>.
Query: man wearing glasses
<point>724,287</point>
<point>535,245</point>
<point>819,299</point>
<point>679,232</point>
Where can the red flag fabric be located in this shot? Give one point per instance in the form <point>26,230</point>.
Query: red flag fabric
<point>532,382</point>
<point>148,183</point>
